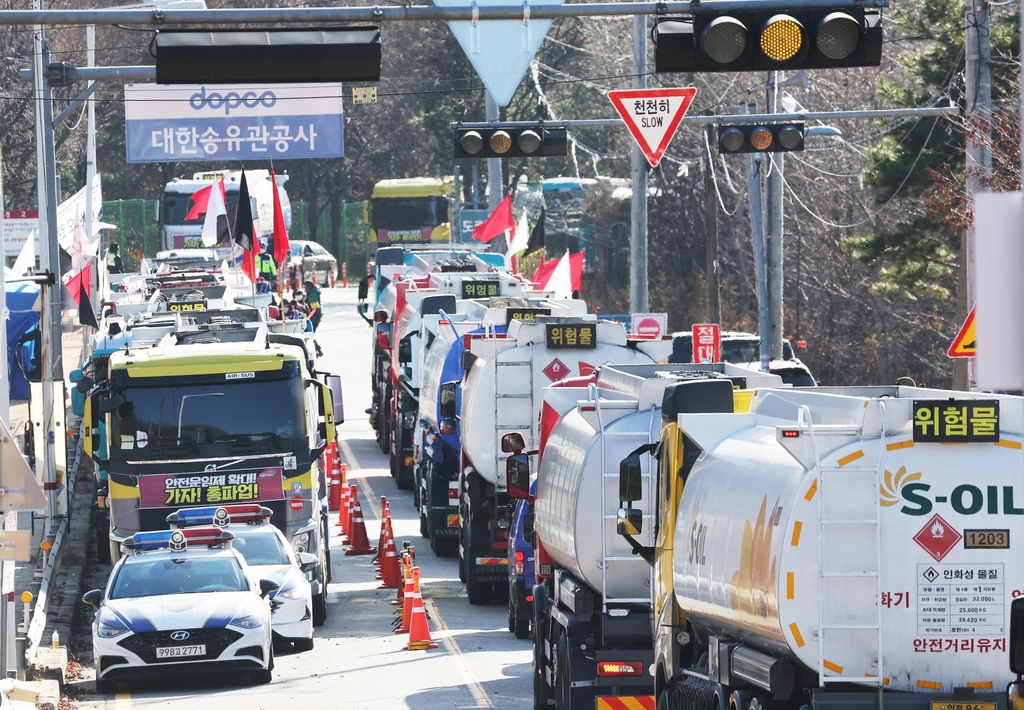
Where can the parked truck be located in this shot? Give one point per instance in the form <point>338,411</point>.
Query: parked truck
<point>833,549</point>
<point>502,394</point>
<point>593,601</point>
<point>215,412</point>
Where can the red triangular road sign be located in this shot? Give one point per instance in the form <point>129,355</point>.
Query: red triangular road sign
<point>652,116</point>
<point>964,342</point>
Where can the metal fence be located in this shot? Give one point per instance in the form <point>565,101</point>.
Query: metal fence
<point>138,235</point>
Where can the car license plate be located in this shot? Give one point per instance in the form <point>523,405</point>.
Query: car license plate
<point>960,705</point>
<point>199,649</point>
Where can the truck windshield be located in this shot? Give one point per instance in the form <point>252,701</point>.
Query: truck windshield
<point>176,205</point>
<point>400,213</point>
<point>268,412</point>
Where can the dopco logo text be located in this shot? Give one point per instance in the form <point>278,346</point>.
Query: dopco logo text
<point>231,100</point>
<point>966,499</point>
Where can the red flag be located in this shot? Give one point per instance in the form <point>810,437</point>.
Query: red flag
<point>249,258</point>
<point>200,199</point>
<point>543,272</point>
<point>499,221</point>
<point>280,233</point>
<point>82,281</point>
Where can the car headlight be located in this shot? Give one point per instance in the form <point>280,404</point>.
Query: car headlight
<point>108,626</point>
<point>292,591</point>
<point>300,543</point>
<point>247,620</point>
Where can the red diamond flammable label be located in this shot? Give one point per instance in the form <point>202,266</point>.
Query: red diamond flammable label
<point>938,537</point>
<point>556,370</point>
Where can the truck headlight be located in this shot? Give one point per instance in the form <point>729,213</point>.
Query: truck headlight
<point>300,543</point>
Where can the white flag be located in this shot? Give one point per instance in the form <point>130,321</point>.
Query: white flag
<point>560,280</point>
<point>521,239</point>
<point>27,258</point>
<point>214,208</point>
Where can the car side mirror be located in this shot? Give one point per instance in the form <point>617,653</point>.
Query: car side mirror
<point>517,476</point>
<point>94,597</point>
<point>630,479</point>
<point>629,521</point>
<point>448,400</point>
<point>512,443</point>
<point>268,586</point>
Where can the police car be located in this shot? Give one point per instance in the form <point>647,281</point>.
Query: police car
<point>268,556</point>
<point>180,602</point>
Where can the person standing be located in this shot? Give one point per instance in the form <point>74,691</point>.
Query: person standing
<point>266,268</point>
<point>114,263</point>
<point>313,301</point>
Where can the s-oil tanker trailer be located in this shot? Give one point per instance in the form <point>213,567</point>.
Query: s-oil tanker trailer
<point>502,395</point>
<point>593,602</point>
<point>840,548</point>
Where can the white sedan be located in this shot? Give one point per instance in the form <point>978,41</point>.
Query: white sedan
<point>181,602</point>
<point>268,556</point>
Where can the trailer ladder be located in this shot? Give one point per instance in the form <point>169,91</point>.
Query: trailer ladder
<point>501,428</point>
<point>849,560</point>
<point>641,438</point>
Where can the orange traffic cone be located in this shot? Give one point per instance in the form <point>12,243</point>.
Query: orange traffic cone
<point>405,567</point>
<point>343,509</point>
<point>347,539</point>
<point>360,544</point>
<point>407,596</point>
<point>390,572</point>
<point>344,474</point>
<point>382,539</point>
<point>334,499</point>
<point>419,629</point>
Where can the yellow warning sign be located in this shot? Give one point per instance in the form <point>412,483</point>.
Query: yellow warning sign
<point>963,344</point>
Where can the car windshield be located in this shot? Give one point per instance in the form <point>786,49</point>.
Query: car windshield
<point>156,577</point>
<point>270,412</point>
<point>260,548</point>
<point>402,213</point>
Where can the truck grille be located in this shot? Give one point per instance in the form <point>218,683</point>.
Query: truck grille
<point>144,645</point>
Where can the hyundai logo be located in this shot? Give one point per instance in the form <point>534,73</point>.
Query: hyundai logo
<point>230,100</point>
<point>180,635</point>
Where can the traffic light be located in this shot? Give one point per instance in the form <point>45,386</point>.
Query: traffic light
<point>268,56</point>
<point>509,140</point>
<point>773,38</point>
<point>766,138</point>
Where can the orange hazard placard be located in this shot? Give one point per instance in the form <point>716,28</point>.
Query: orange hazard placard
<point>963,344</point>
<point>621,702</point>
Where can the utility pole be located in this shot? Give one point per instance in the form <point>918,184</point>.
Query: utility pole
<point>495,188</point>
<point>50,316</point>
<point>90,175</point>
<point>5,381</point>
<point>711,225</point>
<point>755,162</point>
<point>455,231</point>
<point>773,230</point>
<point>978,90</point>
<point>638,204</point>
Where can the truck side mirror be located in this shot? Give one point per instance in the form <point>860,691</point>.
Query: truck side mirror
<point>630,480</point>
<point>156,209</point>
<point>327,428</point>
<point>528,526</point>
<point>517,476</point>
<point>108,405</point>
<point>90,438</point>
<point>512,443</point>
<point>629,521</point>
<point>466,360</point>
<point>383,336</point>
<point>84,382</point>
<point>1017,636</point>
<point>448,400</point>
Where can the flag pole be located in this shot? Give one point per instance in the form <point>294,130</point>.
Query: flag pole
<point>280,281</point>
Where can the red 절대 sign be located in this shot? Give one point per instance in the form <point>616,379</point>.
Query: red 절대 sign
<point>707,342</point>
<point>178,489</point>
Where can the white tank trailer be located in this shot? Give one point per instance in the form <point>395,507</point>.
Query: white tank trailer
<point>502,394</point>
<point>851,548</point>
<point>598,594</point>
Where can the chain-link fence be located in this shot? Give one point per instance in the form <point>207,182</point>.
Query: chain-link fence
<point>138,235</point>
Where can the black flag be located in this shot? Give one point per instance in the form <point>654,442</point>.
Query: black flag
<point>242,227</point>
<point>498,245</point>
<point>536,236</point>
<point>86,316</point>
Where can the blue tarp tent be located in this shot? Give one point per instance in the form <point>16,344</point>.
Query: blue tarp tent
<point>21,300</point>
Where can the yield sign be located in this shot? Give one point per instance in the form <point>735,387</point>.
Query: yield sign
<point>499,50</point>
<point>652,116</point>
<point>964,342</point>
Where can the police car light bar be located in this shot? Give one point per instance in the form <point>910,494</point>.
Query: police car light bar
<point>220,516</point>
<point>178,540</point>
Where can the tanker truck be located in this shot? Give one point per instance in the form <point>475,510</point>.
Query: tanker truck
<point>592,603</point>
<point>438,451</point>
<point>832,549</point>
<point>502,395</point>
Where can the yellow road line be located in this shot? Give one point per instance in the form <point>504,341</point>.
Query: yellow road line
<point>363,484</point>
<point>477,691</point>
<point>122,701</point>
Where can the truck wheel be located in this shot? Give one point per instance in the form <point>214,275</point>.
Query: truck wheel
<point>522,630</point>
<point>511,616</point>
<point>479,594</point>
<point>462,566</point>
<point>443,546</point>
<point>320,608</point>
<point>416,497</point>
<point>560,672</point>
<point>425,526</point>
<point>402,479</point>
<point>666,699</point>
